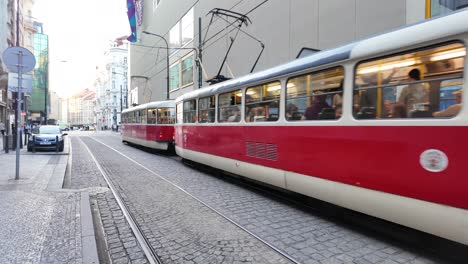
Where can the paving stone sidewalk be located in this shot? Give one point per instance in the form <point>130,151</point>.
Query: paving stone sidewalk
<point>39,221</point>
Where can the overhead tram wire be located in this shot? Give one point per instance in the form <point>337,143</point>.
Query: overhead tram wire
<point>231,23</point>
<point>212,43</point>
<point>148,52</point>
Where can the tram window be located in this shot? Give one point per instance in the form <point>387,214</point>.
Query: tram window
<point>143,116</point>
<point>409,85</point>
<point>179,113</point>
<point>315,96</point>
<point>262,102</point>
<point>190,113</point>
<point>137,117</point>
<point>206,109</point>
<point>229,106</point>
<point>166,115</point>
<point>151,116</point>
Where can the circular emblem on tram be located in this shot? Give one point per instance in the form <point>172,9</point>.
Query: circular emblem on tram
<point>433,160</point>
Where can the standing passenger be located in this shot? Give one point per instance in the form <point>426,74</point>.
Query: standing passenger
<point>414,93</point>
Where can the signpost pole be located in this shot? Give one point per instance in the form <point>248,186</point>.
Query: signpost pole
<point>18,116</point>
<point>20,60</point>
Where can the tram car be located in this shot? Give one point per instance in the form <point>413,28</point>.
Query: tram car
<point>150,125</point>
<point>376,126</point>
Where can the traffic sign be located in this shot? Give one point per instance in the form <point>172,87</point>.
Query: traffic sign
<point>11,58</point>
<point>13,82</point>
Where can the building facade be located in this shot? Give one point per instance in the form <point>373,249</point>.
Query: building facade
<point>39,101</point>
<point>261,34</point>
<point>80,109</point>
<point>16,28</point>
<point>112,87</point>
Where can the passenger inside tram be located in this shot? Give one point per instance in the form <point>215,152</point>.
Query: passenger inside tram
<point>414,95</point>
<point>291,112</point>
<point>398,111</point>
<point>235,115</point>
<point>454,109</point>
<point>318,102</point>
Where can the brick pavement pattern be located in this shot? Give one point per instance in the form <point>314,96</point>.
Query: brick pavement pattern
<point>308,238</point>
<point>179,228</point>
<point>37,225</point>
<point>85,175</point>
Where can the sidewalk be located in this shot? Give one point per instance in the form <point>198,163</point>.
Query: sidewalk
<point>39,221</point>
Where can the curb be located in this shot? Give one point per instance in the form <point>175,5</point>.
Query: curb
<point>88,238</point>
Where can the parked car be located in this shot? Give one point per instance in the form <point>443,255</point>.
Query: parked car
<point>46,137</point>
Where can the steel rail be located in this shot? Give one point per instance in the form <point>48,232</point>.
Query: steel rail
<point>142,240</point>
<point>279,251</point>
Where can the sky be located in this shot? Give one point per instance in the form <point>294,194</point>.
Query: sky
<point>79,31</point>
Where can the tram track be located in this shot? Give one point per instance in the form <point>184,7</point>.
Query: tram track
<point>150,252</point>
<point>356,228</point>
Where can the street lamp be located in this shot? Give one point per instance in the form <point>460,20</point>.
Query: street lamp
<point>121,95</point>
<point>167,60</point>
<point>46,89</point>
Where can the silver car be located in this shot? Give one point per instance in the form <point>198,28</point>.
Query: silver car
<point>46,137</point>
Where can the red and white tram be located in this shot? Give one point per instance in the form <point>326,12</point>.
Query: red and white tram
<point>150,125</point>
<point>351,126</point>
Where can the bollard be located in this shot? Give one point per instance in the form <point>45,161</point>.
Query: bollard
<point>34,144</point>
<point>56,144</point>
<point>6,144</point>
<point>21,141</point>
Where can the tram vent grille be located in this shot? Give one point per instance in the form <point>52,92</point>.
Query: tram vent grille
<point>262,150</point>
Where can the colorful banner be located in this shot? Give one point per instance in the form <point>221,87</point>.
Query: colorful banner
<point>131,20</point>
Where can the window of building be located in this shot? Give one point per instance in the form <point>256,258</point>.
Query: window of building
<point>190,112</point>
<point>315,95</point>
<point>186,25</point>
<point>415,84</point>
<point>182,32</point>
<point>229,106</point>
<point>166,115</point>
<point>262,102</point>
<point>207,109</point>
<point>151,116</point>
<point>174,37</point>
<point>181,73</point>
<point>187,71</point>
<point>174,77</point>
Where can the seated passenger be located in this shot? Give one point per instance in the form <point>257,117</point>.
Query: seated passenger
<point>317,104</point>
<point>452,110</point>
<point>398,111</point>
<point>235,117</point>
<point>338,110</point>
<point>290,110</point>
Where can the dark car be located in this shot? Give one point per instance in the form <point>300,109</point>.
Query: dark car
<point>46,137</point>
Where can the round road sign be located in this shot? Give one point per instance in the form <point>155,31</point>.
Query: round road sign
<point>11,58</point>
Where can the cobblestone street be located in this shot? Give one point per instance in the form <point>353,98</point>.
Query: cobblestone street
<point>182,231</point>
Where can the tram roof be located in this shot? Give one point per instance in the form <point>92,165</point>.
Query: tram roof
<point>157,104</point>
<point>406,36</point>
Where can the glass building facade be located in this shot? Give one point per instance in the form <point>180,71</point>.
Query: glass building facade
<point>41,76</point>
